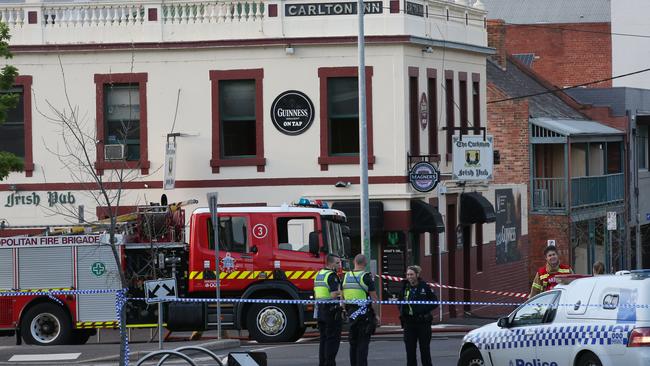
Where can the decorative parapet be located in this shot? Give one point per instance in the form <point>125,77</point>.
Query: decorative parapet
<point>39,23</point>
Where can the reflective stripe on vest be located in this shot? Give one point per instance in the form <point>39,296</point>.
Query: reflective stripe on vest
<point>353,286</point>
<point>321,289</point>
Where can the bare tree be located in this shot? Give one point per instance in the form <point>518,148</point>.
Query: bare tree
<point>76,150</point>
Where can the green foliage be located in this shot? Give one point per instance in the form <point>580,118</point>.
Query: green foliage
<point>8,162</point>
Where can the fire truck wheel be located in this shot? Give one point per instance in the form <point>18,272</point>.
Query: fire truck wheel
<point>46,324</point>
<point>270,323</point>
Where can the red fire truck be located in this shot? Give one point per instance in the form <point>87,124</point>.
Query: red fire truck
<point>265,253</point>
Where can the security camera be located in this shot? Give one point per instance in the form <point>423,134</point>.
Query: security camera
<point>342,184</point>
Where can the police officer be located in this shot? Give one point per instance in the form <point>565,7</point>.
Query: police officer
<point>327,287</point>
<point>358,285</point>
<point>416,318</point>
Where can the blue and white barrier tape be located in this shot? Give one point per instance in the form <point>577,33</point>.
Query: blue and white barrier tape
<point>121,294</point>
<point>57,292</point>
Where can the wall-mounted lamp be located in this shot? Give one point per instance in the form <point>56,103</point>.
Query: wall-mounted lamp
<point>428,49</point>
<point>342,184</point>
<point>289,50</point>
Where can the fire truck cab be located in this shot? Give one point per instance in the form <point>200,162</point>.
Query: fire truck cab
<point>265,253</point>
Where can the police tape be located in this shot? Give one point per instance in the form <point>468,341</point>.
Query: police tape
<point>384,302</point>
<point>433,284</point>
<point>57,292</point>
<point>121,300</point>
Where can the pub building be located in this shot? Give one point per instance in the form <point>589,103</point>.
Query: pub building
<point>261,101</point>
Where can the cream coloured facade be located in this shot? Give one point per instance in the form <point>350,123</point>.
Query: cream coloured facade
<point>178,52</point>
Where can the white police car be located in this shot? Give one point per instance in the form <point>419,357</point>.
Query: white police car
<point>590,321</point>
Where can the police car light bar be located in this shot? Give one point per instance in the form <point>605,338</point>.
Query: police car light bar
<point>640,274</point>
<point>567,279</point>
<point>639,337</point>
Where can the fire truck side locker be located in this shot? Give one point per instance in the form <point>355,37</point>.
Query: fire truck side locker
<point>96,270</point>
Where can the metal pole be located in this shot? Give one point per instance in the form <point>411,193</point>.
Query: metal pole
<point>363,138</point>
<point>212,201</point>
<point>439,275</point>
<point>160,321</point>
<point>635,173</point>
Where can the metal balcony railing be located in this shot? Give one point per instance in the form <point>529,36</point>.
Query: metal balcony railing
<point>549,194</point>
<point>597,190</point>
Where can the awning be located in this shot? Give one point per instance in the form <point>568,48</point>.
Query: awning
<point>425,218</point>
<point>352,211</point>
<point>475,209</point>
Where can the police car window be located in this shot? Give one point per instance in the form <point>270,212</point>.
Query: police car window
<point>293,233</point>
<point>535,311</point>
<point>233,234</point>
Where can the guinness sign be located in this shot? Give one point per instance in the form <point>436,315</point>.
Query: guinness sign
<point>292,112</point>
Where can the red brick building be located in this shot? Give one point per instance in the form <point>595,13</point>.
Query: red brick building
<point>559,148</point>
<point>568,42</point>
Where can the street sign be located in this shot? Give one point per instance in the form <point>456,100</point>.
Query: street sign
<point>163,289</point>
<point>611,220</point>
<point>170,165</point>
<point>550,242</point>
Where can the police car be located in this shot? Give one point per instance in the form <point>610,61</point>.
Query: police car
<point>590,321</point>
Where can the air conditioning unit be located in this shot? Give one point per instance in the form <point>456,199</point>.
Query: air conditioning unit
<point>114,152</point>
<point>540,198</point>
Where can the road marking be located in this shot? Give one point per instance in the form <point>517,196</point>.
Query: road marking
<point>47,357</point>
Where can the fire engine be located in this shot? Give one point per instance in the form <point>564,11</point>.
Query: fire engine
<point>265,253</point>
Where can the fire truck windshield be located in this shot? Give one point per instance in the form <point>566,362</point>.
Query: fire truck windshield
<point>334,237</point>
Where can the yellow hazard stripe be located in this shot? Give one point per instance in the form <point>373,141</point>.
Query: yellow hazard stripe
<point>88,325</point>
<point>314,276</point>
<point>251,275</point>
<point>45,289</point>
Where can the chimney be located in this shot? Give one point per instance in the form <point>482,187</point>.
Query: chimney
<point>497,39</point>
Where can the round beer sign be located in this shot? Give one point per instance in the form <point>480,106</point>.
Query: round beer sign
<point>424,177</point>
<point>292,112</point>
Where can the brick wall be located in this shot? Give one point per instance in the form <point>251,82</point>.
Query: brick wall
<point>544,227</point>
<point>569,54</point>
<point>508,123</point>
<point>497,38</point>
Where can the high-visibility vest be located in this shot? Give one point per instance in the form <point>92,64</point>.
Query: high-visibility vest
<point>321,289</point>
<point>353,286</point>
<point>547,279</point>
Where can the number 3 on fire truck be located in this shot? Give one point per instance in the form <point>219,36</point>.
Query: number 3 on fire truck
<point>228,263</point>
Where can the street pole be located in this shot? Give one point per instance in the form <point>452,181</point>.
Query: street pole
<point>160,329</point>
<point>363,137</point>
<point>212,203</point>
